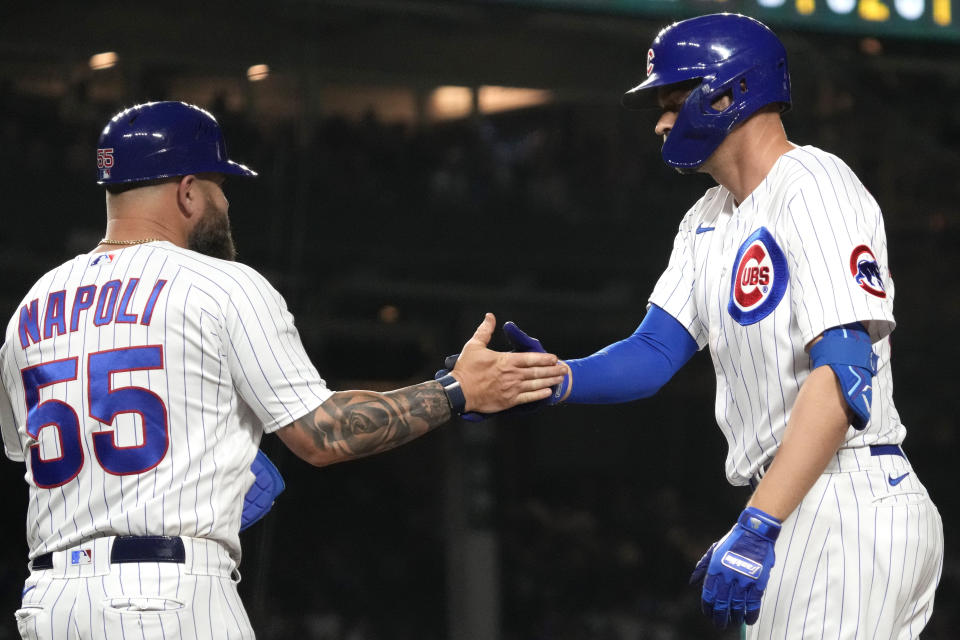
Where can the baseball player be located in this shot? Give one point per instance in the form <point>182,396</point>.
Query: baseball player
<point>781,270</point>
<point>138,380</point>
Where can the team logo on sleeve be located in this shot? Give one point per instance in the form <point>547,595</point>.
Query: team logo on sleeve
<point>760,278</point>
<point>866,271</point>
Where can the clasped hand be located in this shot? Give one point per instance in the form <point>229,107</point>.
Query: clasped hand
<point>493,380</point>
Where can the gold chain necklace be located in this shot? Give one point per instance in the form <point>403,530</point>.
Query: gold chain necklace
<point>129,242</point>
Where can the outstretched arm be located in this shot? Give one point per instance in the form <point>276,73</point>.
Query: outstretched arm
<point>635,367</point>
<point>354,424</point>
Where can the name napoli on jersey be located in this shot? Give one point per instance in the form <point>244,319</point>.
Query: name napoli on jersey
<point>99,304</point>
<point>759,280</point>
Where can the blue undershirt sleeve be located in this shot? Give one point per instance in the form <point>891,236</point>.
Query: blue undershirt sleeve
<point>636,367</point>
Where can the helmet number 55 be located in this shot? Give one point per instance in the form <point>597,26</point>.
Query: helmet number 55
<point>105,158</point>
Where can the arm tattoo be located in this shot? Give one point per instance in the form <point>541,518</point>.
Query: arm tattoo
<point>353,424</point>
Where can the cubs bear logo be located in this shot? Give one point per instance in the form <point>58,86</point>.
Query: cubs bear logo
<point>649,61</point>
<point>866,271</point>
<point>759,279</point>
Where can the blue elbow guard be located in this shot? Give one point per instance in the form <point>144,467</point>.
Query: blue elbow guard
<point>847,350</point>
<point>267,485</point>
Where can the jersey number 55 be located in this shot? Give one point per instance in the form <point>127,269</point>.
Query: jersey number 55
<point>104,403</point>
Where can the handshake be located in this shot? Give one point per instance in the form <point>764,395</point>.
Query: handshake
<point>481,382</point>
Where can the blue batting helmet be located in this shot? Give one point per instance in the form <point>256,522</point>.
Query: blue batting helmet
<point>162,140</point>
<point>730,54</point>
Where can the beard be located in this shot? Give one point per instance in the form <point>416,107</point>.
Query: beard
<point>212,236</point>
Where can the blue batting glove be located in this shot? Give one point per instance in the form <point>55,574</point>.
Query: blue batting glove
<point>736,569</point>
<point>521,343</point>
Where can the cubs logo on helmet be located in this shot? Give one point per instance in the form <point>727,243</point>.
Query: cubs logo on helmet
<point>866,271</point>
<point>759,280</point>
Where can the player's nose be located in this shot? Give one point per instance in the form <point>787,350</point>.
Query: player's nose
<point>665,123</point>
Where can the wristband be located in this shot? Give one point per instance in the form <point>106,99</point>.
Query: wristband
<point>451,387</point>
<point>761,523</point>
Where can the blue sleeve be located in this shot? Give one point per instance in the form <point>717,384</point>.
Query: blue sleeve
<point>636,367</point>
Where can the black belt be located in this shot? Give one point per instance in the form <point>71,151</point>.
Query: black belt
<point>132,549</point>
<point>875,450</point>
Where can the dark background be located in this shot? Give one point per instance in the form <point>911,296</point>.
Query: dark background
<point>391,235</point>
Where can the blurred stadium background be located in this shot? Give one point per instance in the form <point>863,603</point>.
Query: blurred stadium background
<point>423,162</point>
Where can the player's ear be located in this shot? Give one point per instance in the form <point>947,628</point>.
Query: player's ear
<point>189,198</point>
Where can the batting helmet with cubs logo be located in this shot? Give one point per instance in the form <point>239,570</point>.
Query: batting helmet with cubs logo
<point>162,140</point>
<point>729,54</point>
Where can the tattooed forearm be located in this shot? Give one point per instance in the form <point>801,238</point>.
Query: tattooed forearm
<point>353,424</point>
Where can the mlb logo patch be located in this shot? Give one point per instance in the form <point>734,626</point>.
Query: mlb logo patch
<point>81,556</point>
<point>103,258</point>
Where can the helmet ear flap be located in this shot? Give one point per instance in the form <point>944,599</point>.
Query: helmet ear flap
<point>721,102</point>
<point>735,94</point>
<point>716,96</point>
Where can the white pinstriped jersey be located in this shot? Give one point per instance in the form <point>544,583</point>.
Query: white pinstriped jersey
<point>757,282</point>
<point>139,384</point>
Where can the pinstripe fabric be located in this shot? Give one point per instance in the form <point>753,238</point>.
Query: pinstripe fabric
<point>217,361</point>
<point>860,558</point>
<point>142,601</point>
<point>817,212</point>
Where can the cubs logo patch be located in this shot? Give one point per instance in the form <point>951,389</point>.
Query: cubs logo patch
<point>649,61</point>
<point>759,279</point>
<point>866,271</point>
